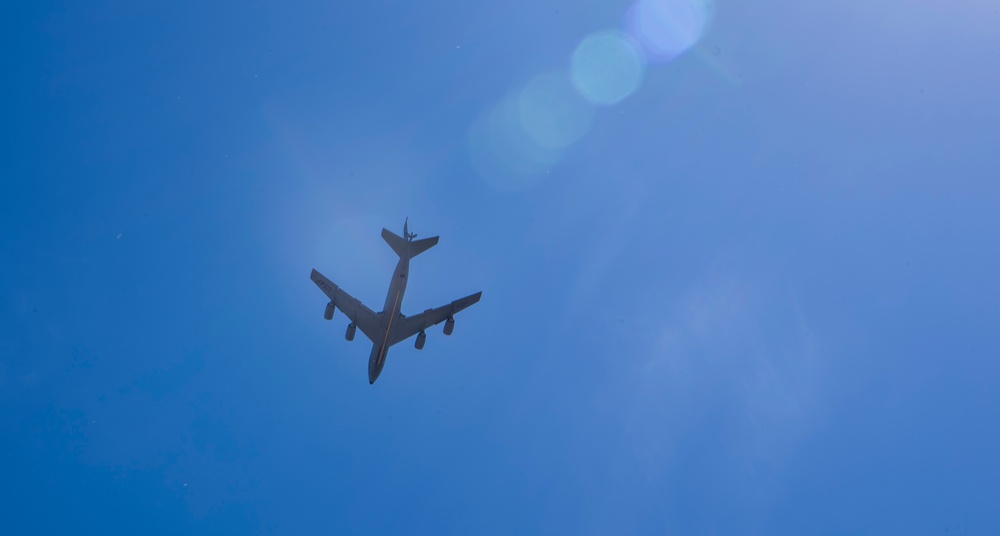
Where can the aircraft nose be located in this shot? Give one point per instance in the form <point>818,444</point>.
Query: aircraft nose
<point>375,364</point>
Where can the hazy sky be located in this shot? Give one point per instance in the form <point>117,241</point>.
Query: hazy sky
<point>739,265</point>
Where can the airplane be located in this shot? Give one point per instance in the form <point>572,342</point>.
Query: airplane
<point>390,326</point>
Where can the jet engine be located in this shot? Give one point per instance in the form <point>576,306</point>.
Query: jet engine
<point>421,339</point>
<point>328,314</point>
<point>449,326</point>
<point>351,329</point>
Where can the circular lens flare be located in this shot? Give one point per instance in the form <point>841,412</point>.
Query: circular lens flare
<point>606,68</point>
<point>665,29</point>
<point>551,113</point>
<point>503,153</point>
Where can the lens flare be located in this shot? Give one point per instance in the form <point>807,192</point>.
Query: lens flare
<point>606,68</point>
<point>502,152</point>
<point>665,29</point>
<point>551,113</point>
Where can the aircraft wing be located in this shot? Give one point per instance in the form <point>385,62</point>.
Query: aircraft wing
<point>411,325</point>
<point>367,320</point>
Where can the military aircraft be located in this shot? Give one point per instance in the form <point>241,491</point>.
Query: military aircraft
<point>390,326</point>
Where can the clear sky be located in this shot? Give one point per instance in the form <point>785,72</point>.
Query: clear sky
<point>739,265</point>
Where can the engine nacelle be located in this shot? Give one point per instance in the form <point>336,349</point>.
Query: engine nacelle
<point>421,339</point>
<point>352,328</point>
<point>328,314</point>
<point>449,326</point>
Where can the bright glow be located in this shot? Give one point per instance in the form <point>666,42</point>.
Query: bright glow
<point>606,68</point>
<point>665,29</point>
<point>551,113</point>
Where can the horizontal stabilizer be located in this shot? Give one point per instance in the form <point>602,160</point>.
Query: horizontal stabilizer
<point>396,242</point>
<point>419,246</point>
<point>405,248</point>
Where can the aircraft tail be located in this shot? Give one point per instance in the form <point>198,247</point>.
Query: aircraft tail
<point>419,246</point>
<point>410,248</point>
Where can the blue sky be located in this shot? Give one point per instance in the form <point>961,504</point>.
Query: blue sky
<point>755,294</point>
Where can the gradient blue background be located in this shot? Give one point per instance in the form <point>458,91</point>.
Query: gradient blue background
<point>760,296</point>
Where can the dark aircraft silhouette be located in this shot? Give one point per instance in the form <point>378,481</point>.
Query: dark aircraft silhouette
<point>390,326</point>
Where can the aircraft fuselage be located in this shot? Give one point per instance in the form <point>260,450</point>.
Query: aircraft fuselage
<point>391,313</point>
